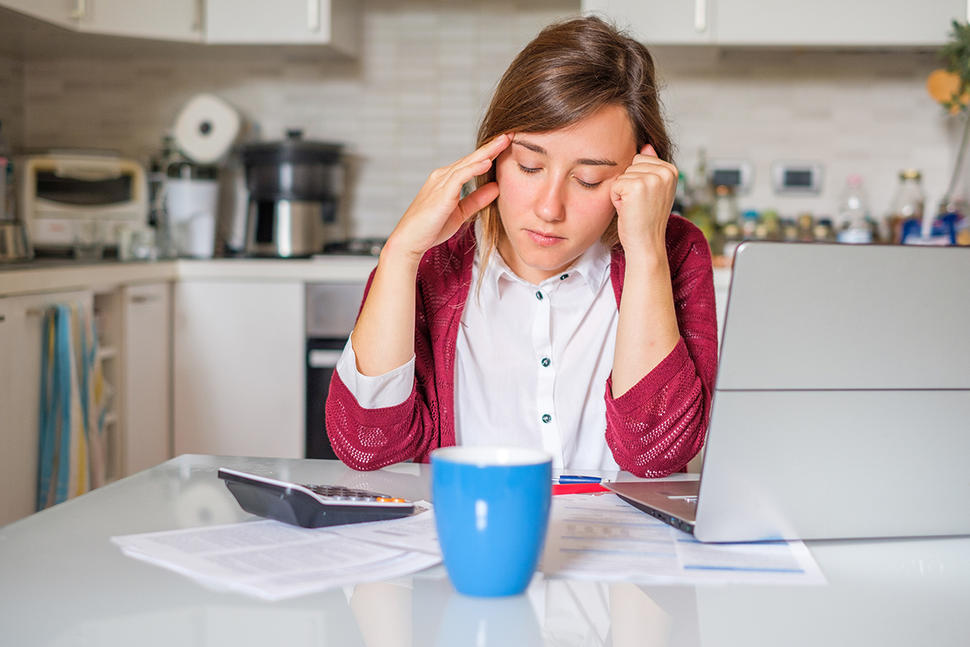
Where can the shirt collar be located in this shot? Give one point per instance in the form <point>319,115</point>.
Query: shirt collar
<point>593,266</point>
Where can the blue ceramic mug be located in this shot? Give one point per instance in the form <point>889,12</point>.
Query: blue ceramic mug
<point>491,507</point>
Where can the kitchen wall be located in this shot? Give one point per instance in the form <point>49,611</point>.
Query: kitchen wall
<point>413,99</point>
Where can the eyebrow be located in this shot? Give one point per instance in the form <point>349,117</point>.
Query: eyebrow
<point>535,148</point>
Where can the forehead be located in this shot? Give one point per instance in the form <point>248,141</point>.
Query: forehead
<point>607,133</point>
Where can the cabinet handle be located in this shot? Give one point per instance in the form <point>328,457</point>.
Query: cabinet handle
<point>700,15</point>
<point>313,15</point>
<point>80,10</point>
<point>140,298</point>
<point>199,19</point>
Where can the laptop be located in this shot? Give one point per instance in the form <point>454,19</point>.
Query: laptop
<point>842,402</point>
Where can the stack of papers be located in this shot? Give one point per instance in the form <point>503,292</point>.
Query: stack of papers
<point>597,537</point>
<point>273,560</point>
<point>602,537</point>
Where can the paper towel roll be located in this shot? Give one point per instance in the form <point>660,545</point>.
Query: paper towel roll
<point>206,128</point>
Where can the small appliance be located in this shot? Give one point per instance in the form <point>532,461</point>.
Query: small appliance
<point>63,192</point>
<point>294,189</point>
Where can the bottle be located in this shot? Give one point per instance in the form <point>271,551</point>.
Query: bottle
<point>701,209</point>
<point>906,206</point>
<point>725,206</point>
<point>806,227</point>
<point>157,167</point>
<point>789,230</point>
<point>731,237</point>
<point>749,224</point>
<point>770,226</point>
<point>824,230</point>
<point>853,213</point>
<point>7,211</point>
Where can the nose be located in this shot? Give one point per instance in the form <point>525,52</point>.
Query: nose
<point>549,204</point>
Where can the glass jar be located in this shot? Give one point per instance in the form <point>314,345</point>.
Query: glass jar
<point>907,204</point>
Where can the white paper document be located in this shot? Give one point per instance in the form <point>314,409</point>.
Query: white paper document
<point>274,560</point>
<point>417,532</point>
<point>602,537</point>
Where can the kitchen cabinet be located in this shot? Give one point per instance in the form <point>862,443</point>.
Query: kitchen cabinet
<point>178,20</point>
<point>293,22</point>
<point>21,328</point>
<point>659,22</point>
<point>823,23</point>
<point>56,12</point>
<point>239,367</point>
<point>333,23</point>
<point>146,311</point>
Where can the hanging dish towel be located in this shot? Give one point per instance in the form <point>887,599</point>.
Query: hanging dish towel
<point>71,450</point>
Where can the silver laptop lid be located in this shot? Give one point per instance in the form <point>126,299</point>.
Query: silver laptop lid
<point>842,405</point>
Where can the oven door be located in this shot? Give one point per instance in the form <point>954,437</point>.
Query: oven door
<point>321,362</point>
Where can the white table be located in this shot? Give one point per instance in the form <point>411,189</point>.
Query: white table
<point>63,583</point>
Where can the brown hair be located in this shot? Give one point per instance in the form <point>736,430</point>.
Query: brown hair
<point>568,72</point>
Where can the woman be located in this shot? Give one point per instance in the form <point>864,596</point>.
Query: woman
<point>559,305</point>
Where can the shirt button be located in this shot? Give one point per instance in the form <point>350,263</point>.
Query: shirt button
<point>539,296</point>
<point>546,417</point>
<point>563,277</point>
<point>546,361</point>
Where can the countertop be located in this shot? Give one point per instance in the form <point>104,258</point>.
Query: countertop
<point>65,583</point>
<point>49,275</point>
<point>52,275</point>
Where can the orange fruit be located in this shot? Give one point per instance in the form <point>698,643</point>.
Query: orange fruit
<point>943,86</point>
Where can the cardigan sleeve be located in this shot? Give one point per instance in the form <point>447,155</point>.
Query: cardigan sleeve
<point>368,439</point>
<point>657,426</point>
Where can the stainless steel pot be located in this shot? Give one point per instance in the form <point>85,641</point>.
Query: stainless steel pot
<point>293,169</point>
<point>294,189</point>
<point>14,242</point>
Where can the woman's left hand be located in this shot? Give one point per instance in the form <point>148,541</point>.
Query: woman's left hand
<point>643,196</point>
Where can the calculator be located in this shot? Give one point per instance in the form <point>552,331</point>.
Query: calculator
<point>308,505</point>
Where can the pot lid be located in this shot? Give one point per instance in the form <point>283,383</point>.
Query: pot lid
<point>294,150</point>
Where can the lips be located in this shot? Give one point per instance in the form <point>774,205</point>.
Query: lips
<point>543,239</point>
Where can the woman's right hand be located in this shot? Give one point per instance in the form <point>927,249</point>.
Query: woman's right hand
<point>437,212</point>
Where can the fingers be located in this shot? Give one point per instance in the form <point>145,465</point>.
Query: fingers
<point>475,164</point>
<point>478,199</point>
<point>487,151</point>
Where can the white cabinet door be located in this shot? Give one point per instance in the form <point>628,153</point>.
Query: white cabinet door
<point>858,23</point>
<point>836,22</point>
<point>146,411</point>
<point>239,368</point>
<point>58,12</point>
<point>658,22</point>
<point>21,330</point>
<point>179,20</point>
<point>310,22</point>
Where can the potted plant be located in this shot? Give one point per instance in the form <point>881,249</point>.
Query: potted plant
<point>950,87</point>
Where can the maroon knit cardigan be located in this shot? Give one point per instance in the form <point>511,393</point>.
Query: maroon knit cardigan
<point>653,429</point>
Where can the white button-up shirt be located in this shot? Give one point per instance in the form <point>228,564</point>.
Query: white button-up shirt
<point>531,363</point>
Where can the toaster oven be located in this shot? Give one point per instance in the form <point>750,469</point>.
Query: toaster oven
<point>60,192</point>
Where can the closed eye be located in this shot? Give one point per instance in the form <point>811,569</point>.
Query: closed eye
<point>526,169</point>
<point>588,185</point>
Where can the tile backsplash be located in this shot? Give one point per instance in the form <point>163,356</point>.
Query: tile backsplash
<point>413,99</point>
<point>12,101</point>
